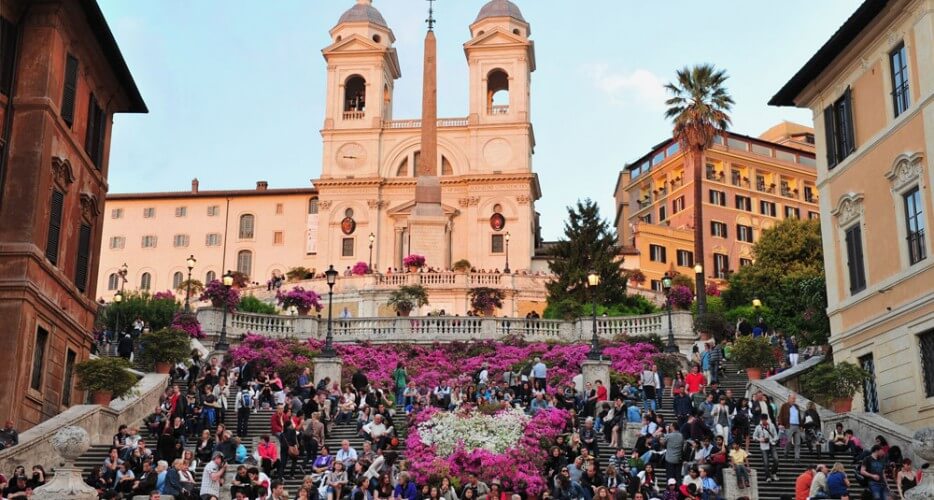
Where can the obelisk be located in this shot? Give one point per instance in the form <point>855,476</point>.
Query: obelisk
<point>427,223</point>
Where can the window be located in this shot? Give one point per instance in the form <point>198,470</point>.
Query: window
<point>246,227</point>
<point>70,359</point>
<point>38,358</point>
<point>67,110</point>
<point>721,265</point>
<point>677,205</point>
<point>116,213</point>
<point>743,262</point>
<point>313,206</point>
<point>718,229</point>
<point>145,281</point>
<point>662,213</point>
<point>181,211</point>
<point>656,285</point>
<point>497,244</point>
<point>809,194</point>
<point>743,203</point>
<point>744,233</point>
<point>926,341</point>
<point>658,253</point>
<point>685,258</point>
<point>278,238</point>
<point>113,281</point>
<point>647,218</point>
<point>209,277</point>
<point>901,98</point>
<point>717,198</point>
<point>117,242</point>
<point>870,397</point>
<point>149,241</point>
<point>792,213</point>
<point>838,125</point>
<point>279,208</point>
<point>97,126</point>
<point>854,259</point>
<point>149,213</point>
<point>813,215</point>
<point>57,206</point>
<point>177,279</point>
<point>347,247</point>
<point>7,54</point>
<point>212,240</point>
<point>213,210</point>
<point>180,240</point>
<point>914,226</point>
<point>245,262</point>
<point>767,208</point>
<point>83,262</point>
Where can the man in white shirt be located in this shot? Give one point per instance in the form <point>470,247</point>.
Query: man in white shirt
<point>767,435</point>
<point>484,375</point>
<point>377,431</point>
<point>539,373</point>
<point>213,475</point>
<point>791,417</point>
<point>347,455</point>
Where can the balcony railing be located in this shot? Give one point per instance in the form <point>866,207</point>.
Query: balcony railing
<point>676,183</point>
<point>766,188</point>
<point>789,193</point>
<point>416,123</point>
<point>502,109</point>
<point>644,203</point>
<point>354,115</point>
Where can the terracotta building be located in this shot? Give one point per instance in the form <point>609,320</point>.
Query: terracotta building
<point>871,88</point>
<point>749,185</point>
<point>62,78</point>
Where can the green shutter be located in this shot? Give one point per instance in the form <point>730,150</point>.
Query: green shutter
<point>71,85</point>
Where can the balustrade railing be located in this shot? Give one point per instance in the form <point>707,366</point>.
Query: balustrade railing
<point>354,115</point>
<point>250,322</point>
<point>484,279</point>
<point>416,123</point>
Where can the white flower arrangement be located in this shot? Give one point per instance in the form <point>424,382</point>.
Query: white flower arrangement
<point>474,430</point>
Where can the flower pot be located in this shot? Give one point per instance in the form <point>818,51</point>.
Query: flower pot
<point>102,398</point>
<point>303,311</point>
<point>413,269</point>
<point>843,405</point>
<point>405,313</point>
<point>162,367</point>
<point>754,373</point>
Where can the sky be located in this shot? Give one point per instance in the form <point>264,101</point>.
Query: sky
<point>236,89</point>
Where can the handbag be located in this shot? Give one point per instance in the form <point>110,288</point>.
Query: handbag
<point>718,459</point>
<point>293,451</point>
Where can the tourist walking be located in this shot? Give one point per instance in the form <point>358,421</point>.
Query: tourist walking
<point>767,436</point>
<point>790,418</point>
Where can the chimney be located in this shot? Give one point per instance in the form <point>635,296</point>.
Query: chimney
<point>194,185</point>
<point>261,185</point>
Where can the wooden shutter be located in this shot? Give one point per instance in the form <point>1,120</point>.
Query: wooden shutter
<point>71,85</point>
<point>84,257</point>
<point>831,137</point>
<point>7,54</point>
<point>847,125</point>
<point>94,136</point>
<point>55,226</point>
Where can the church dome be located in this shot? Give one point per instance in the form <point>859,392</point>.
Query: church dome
<point>363,12</point>
<point>500,8</point>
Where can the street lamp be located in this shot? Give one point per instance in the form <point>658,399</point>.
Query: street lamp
<point>506,270</point>
<point>593,281</point>
<point>122,273</point>
<point>118,298</point>
<point>328,351</point>
<point>191,265</point>
<point>666,285</point>
<point>372,238</point>
<point>701,288</point>
<point>222,345</point>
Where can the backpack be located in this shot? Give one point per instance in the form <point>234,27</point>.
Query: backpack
<point>246,399</point>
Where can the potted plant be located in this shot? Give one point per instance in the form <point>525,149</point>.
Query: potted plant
<point>303,300</point>
<point>219,295</point>
<point>681,297</point>
<point>360,268</point>
<point>754,354</point>
<point>636,276</point>
<point>105,378</point>
<point>407,298</point>
<point>163,348</point>
<point>299,273</point>
<point>413,262</point>
<point>668,364</point>
<point>834,385</point>
<point>461,266</point>
<point>484,300</point>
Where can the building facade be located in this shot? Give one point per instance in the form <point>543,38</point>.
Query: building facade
<point>870,88</point>
<point>62,78</point>
<point>749,185</point>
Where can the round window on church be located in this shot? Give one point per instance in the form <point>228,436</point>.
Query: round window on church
<point>377,38</point>
<point>497,208</point>
<point>348,212</point>
<point>497,221</point>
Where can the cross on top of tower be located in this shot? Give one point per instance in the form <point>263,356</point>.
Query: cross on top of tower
<point>431,15</point>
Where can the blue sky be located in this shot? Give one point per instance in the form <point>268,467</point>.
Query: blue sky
<point>236,89</point>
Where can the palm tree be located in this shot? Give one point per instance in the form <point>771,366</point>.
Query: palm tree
<point>698,107</point>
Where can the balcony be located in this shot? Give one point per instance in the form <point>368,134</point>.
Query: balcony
<point>676,183</point>
<point>809,196</point>
<point>354,115</point>
<point>416,123</point>
<point>660,193</point>
<point>501,109</point>
<point>789,193</point>
<point>740,181</point>
<point>762,187</point>
<point>715,176</point>
<point>644,202</point>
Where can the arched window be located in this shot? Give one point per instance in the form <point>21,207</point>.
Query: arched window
<point>403,169</point>
<point>177,280</point>
<point>113,281</point>
<point>446,168</point>
<point>246,227</point>
<point>245,262</point>
<point>145,281</point>
<point>313,206</point>
<point>354,97</point>
<point>497,92</point>
<point>209,277</point>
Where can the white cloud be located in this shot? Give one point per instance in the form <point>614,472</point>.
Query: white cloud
<point>639,88</point>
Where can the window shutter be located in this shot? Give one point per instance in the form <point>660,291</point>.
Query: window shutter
<point>7,54</point>
<point>71,85</point>
<point>831,142</point>
<point>55,226</point>
<point>847,124</point>
<point>94,136</point>
<point>84,257</point>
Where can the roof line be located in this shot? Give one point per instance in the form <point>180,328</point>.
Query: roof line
<point>99,26</point>
<point>210,194</point>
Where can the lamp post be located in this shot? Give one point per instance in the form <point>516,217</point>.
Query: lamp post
<point>666,285</point>
<point>328,351</point>
<point>222,345</point>
<point>701,287</point>
<point>122,273</point>
<point>593,281</point>
<point>756,306</point>
<point>191,265</point>
<point>118,298</point>
<point>506,269</point>
<point>372,238</point>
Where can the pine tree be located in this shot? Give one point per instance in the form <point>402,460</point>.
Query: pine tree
<point>589,244</point>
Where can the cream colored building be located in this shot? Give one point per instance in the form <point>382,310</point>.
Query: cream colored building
<point>871,88</point>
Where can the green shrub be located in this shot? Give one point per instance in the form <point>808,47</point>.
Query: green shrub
<point>714,324</point>
<point>164,346</point>
<point>827,382</point>
<point>252,304</point>
<point>298,273</point>
<point>158,313</point>
<point>407,298</point>
<point>462,265</point>
<point>106,374</point>
<point>753,352</point>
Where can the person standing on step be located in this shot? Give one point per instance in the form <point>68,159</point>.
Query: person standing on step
<point>873,469</point>
<point>803,483</point>
<point>244,406</point>
<point>401,378</point>
<point>767,436</point>
<point>674,448</point>
<point>540,374</point>
<point>790,417</point>
<point>649,383</point>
